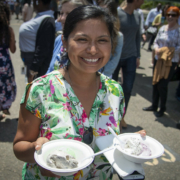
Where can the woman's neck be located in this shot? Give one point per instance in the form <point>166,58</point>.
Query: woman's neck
<point>172,26</point>
<point>80,79</point>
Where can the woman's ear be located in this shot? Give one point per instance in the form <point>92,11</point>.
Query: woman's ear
<point>64,42</point>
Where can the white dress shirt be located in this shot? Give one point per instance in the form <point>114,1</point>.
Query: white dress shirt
<point>151,15</point>
<point>142,20</point>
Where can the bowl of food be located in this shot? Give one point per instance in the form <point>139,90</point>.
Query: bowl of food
<point>64,157</point>
<point>138,149</point>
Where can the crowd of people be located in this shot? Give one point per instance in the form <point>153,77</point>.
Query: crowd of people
<point>72,67</point>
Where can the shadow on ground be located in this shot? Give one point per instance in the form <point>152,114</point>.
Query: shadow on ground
<point>143,87</point>
<point>8,129</point>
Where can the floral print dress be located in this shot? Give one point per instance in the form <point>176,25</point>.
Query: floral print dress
<point>53,100</point>
<point>7,79</point>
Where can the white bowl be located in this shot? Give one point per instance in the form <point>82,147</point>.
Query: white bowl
<point>74,148</point>
<point>156,148</point>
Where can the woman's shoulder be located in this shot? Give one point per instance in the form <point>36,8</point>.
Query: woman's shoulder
<point>46,79</point>
<point>113,86</point>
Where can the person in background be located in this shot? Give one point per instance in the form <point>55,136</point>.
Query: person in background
<point>143,34</point>
<point>36,40</point>
<point>17,8</point>
<point>150,18</point>
<point>58,23</point>
<point>7,77</point>
<point>27,11</point>
<point>11,4</point>
<point>110,67</point>
<point>66,7</point>
<point>54,7</point>
<point>167,37</point>
<point>159,21</point>
<point>178,92</point>
<point>130,21</point>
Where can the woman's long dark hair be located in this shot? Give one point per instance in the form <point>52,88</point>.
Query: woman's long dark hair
<point>4,24</point>
<point>88,12</point>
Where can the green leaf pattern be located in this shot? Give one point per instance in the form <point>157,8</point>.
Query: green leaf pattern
<point>53,100</point>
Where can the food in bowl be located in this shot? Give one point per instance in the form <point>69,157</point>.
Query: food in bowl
<point>61,160</point>
<point>135,146</point>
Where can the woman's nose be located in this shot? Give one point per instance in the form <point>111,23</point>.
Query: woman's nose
<point>92,48</point>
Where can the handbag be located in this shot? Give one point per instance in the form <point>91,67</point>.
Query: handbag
<point>152,30</point>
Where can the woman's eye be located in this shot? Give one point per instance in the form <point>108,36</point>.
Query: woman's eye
<point>103,40</point>
<point>81,39</point>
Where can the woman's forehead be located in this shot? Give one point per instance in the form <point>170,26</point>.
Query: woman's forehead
<point>172,12</point>
<point>92,26</point>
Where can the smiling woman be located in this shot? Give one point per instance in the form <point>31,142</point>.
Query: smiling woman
<point>75,101</point>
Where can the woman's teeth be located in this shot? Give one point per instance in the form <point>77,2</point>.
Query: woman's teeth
<point>91,60</point>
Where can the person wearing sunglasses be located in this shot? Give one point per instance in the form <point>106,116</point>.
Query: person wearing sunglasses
<point>168,36</point>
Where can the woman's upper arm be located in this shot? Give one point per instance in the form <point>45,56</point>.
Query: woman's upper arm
<point>28,124</point>
<point>12,43</point>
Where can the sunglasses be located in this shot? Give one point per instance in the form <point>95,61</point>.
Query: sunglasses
<point>88,136</point>
<point>173,15</point>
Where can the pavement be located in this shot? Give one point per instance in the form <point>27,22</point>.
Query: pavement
<point>163,129</point>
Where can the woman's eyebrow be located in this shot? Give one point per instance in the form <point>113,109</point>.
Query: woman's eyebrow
<point>85,35</point>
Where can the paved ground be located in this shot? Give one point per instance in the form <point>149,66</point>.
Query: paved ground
<point>163,129</point>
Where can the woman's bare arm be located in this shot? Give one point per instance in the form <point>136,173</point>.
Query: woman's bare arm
<point>12,43</point>
<point>27,134</point>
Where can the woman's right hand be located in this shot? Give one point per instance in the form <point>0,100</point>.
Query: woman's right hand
<point>38,145</point>
<point>39,142</point>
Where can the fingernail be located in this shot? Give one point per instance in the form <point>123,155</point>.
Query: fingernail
<point>37,146</point>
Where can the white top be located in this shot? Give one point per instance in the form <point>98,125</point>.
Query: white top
<point>151,15</point>
<point>28,31</point>
<point>142,20</point>
<point>28,10</point>
<point>169,38</point>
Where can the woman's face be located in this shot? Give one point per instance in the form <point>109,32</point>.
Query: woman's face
<point>89,46</point>
<point>172,17</point>
<point>65,10</point>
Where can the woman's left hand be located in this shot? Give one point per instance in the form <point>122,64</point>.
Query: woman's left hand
<point>45,172</point>
<point>142,132</point>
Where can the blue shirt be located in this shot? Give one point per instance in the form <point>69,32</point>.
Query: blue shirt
<point>110,67</point>
<point>58,26</point>
<point>56,54</point>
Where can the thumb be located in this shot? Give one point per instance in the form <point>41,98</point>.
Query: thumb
<point>39,142</point>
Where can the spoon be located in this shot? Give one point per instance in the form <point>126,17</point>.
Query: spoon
<point>100,152</point>
<point>122,144</point>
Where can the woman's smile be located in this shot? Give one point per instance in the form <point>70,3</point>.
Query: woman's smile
<point>89,46</point>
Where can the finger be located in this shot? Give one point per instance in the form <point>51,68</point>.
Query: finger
<point>142,132</point>
<point>39,142</point>
<point>48,173</point>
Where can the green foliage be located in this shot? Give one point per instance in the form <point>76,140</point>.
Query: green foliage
<point>149,4</point>
<point>152,4</point>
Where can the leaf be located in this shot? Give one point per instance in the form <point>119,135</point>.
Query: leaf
<point>102,166</point>
<point>102,176</point>
<point>60,130</point>
<point>54,137</point>
<point>75,127</point>
<point>104,159</point>
<point>74,99</point>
